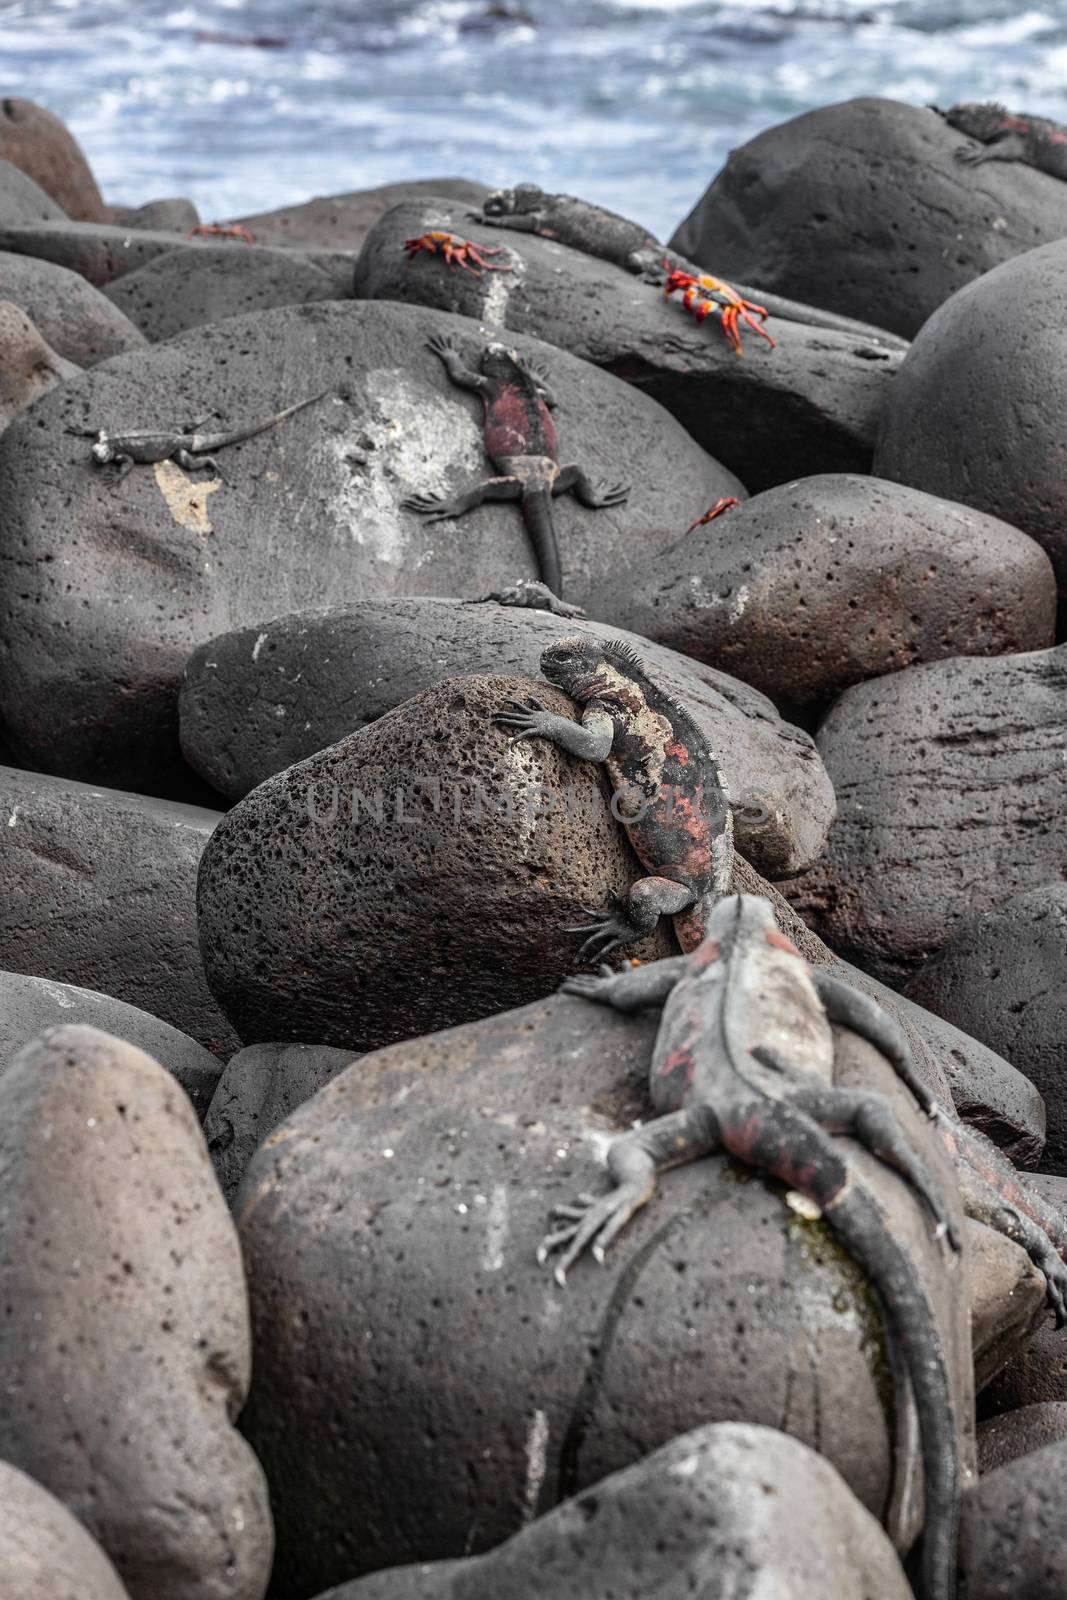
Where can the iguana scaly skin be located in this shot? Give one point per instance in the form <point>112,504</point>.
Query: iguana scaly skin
<point>743,1062</point>
<point>668,793</point>
<point>522,444</point>
<point>191,450</point>
<point>1006,136</point>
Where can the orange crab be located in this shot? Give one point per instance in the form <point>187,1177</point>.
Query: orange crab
<point>723,503</point>
<point>220,230</point>
<point>457,252</point>
<point>704,294</point>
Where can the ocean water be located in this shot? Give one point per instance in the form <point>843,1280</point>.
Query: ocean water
<point>248,104</point>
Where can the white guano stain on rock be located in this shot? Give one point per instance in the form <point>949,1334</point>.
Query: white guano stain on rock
<point>257,647</point>
<point>536,1462</point>
<point>497,1222</point>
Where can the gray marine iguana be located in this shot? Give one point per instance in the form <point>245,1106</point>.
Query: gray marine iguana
<point>1003,135</point>
<point>190,449</point>
<point>522,443</point>
<point>532,595</point>
<point>668,790</point>
<point>743,1062</point>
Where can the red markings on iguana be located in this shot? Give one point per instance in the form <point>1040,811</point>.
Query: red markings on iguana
<point>781,941</point>
<point>1002,135</point>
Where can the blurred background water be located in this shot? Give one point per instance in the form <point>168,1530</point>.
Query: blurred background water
<point>247,104</point>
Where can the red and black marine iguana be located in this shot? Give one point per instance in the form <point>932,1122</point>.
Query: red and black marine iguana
<point>743,1062</point>
<point>668,791</point>
<point>1008,136</point>
<point>522,444</point>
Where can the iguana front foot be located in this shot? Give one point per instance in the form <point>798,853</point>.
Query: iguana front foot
<point>607,928</point>
<point>591,1223</point>
<point>528,718</point>
<point>530,592</point>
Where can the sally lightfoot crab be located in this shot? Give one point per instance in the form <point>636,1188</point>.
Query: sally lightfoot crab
<point>703,294</point>
<point>457,252</point>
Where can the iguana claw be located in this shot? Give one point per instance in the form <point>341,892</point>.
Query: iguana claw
<point>457,252</point>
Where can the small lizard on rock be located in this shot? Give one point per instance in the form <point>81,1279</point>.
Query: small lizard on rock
<point>743,1062</point>
<point>1006,136</point>
<point>532,595</point>
<point>522,444</point>
<point>191,450</point>
<point>668,791</point>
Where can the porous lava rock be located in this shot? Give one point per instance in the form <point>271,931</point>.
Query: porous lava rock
<point>125,1347</point>
<point>261,1086</point>
<point>105,590</point>
<point>1013,1529</point>
<point>989,372</point>
<point>1017,1433</point>
<point>22,200</point>
<point>1003,973</point>
<point>950,785</point>
<point>45,1553</point>
<point>735,1510</point>
<point>175,214</point>
<point>183,289</point>
<point>390,1230</point>
<point>29,367</point>
<point>97,888</point>
<point>35,140</point>
<point>76,319</point>
<point>342,221</point>
<point>820,583</point>
<point>29,1005</point>
<point>862,207</point>
<point>256,700</point>
<point>1009,1300</point>
<point>810,404</point>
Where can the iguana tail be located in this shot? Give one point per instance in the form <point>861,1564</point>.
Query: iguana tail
<point>537,514</point>
<point>857,1220</point>
<point>204,442</point>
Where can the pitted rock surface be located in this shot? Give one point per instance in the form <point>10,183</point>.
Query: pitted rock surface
<point>1019,1433</point>
<point>1004,974</point>
<point>342,221</point>
<point>255,701</point>
<point>35,140</point>
<point>309,513</point>
<point>390,1230</point>
<point>736,1510</point>
<point>98,251</point>
<point>29,367</point>
<point>45,1553</point>
<point>180,289</point>
<point>812,404</point>
<point>22,200</point>
<point>863,208</point>
<point>98,888</point>
<point>989,372</point>
<point>1013,1530</point>
<point>173,214</point>
<point>29,1005</point>
<point>126,1348</point>
<point>76,319</point>
<point>825,581</point>
<point>951,787</point>
<point>261,1086</point>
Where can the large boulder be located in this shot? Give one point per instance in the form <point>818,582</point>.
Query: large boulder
<point>975,412</point>
<point>422,1385</point>
<point>1003,975</point>
<point>828,580</point>
<point>309,513</point>
<point>950,781</point>
<point>342,221</point>
<point>29,1005</point>
<point>76,319</point>
<point>261,698</point>
<point>97,888</point>
<point>35,140</point>
<point>863,208</point>
<point>182,289</point>
<point>724,1511</point>
<point>125,1344</point>
<point>1013,1531</point>
<point>22,200</point>
<point>175,214</point>
<point>45,1553</point>
<point>810,404</point>
<point>29,367</point>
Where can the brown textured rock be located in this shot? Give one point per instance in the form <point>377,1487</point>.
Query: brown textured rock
<point>735,1510</point>
<point>29,367</point>
<point>989,371</point>
<point>1018,1433</point>
<point>97,888</point>
<point>1013,1544</point>
<point>125,1349</point>
<point>45,1553</point>
<point>342,221</point>
<point>950,783</point>
<point>76,319</point>
<point>850,206</point>
<point>256,700</point>
<point>390,1228</point>
<point>35,140</point>
<point>825,581</point>
<point>181,289</point>
<point>309,513</point>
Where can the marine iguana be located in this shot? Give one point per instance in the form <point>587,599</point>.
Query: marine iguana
<point>743,1062</point>
<point>522,444</point>
<point>1006,136</point>
<point>668,791</point>
<point>531,594</point>
<point>142,447</point>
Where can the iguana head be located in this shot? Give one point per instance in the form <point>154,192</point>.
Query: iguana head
<point>506,202</point>
<point>102,450</point>
<point>501,363</point>
<point>738,920</point>
<point>981,121</point>
<point>575,665</point>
